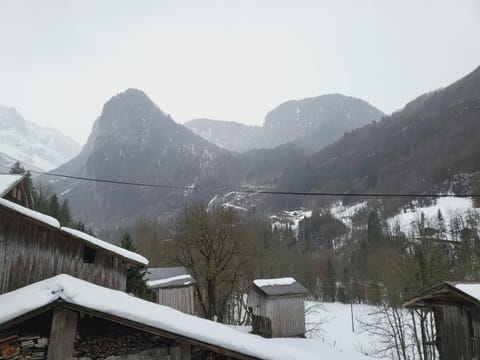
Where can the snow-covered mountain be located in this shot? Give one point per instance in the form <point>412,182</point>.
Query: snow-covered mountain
<point>37,147</point>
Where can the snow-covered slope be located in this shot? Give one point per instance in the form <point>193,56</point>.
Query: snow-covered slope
<point>453,210</point>
<point>37,147</point>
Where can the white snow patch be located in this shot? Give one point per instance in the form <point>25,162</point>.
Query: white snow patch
<point>335,321</point>
<point>346,213</point>
<point>105,245</point>
<point>449,207</point>
<point>48,220</point>
<point>290,219</point>
<point>273,282</point>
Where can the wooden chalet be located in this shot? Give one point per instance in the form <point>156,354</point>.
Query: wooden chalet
<point>172,286</point>
<point>68,318</point>
<point>14,187</point>
<point>456,309</point>
<point>34,246</point>
<point>277,307</point>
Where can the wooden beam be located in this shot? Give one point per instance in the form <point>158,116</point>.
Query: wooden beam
<point>62,334</point>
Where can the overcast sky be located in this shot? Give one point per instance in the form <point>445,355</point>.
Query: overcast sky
<point>61,60</point>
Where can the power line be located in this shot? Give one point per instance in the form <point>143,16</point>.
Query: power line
<point>247,191</point>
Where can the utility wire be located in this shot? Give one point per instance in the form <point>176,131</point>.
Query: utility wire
<point>247,191</point>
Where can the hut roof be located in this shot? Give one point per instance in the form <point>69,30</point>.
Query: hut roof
<point>165,277</point>
<point>8,182</point>
<point>24,303</point>
<point>448,293</point>
<point>280,286</point>
<point>129,256</point>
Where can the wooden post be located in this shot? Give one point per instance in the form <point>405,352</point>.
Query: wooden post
<point>62,334</point>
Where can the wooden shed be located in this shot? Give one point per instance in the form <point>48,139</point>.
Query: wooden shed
<point>68,318</point>
<point>456,310</point>
<point>34,246</point>
<point>14,187</point>
<point>277,307</point>
<point>172,286</point>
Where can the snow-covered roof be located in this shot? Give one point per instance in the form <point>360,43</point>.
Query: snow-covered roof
<point>460,290</point>
<point>129,255</point>
<point>174,281</point>
<point>115,303</point>
<point>52,222</point>
<point>8,182</point>
<point>35,215</point>
<point>274,282</point>
<point>164,277</point>
<point>471,289</point>
<point>280,286</point>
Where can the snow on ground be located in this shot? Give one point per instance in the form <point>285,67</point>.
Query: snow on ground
<point>449,207</point>
<point>334,338</point>
<point>346,213</point>
<point>290,219</point>
<point>335,329</point>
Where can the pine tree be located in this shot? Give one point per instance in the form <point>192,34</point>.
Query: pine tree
<point>64,213</point>
<point>53,206</point>
<point>135,282</point>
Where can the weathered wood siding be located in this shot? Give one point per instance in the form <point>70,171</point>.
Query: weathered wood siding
<point>287,313</point>
<point>456,341</point>
<point>20,194</point>
<point>180,298</point>
<point>31,251</point>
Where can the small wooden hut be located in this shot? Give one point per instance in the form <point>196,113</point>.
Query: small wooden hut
<point>14,187</point>
<point>456,309</point>
<point>172,286</point>
<point>34,246</point>
<point>277,307</point>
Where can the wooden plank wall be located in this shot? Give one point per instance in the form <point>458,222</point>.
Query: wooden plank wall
<point>30,252</point>
<point>180,298</point>
<point>455,337</point>
<point>287,313</point>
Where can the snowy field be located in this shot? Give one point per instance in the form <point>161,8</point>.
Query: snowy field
<point>330,336</point>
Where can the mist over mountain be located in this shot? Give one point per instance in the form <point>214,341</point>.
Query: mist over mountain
<point>36,147</point>
<point>229,135</point>
<point>311,123</point>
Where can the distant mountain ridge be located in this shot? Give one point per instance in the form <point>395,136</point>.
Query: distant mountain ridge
<point>134,140</point>
<point>37,147</point>
<point>431,145</point>
<point>310,123</point>
<point>425,147</point>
